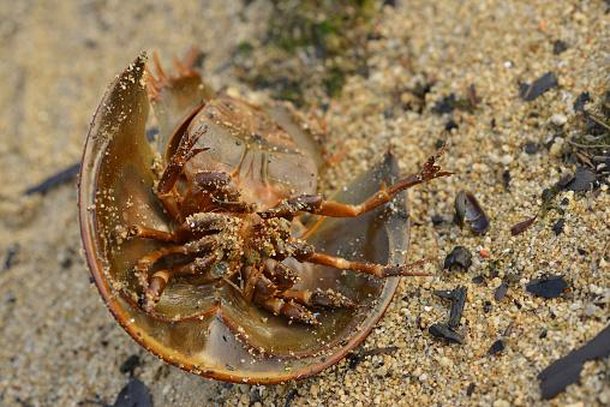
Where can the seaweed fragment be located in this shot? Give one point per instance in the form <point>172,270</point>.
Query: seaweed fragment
<point>581,101</point>
<point>460,259</point>
<point>522,226</point>
<point>447,331</point>
<point>290,396</point>
<point>457,296</point>
<point>547,287</point>
<point>531,91</point>
<point>496,347</point>
<point>558,226</point>
<point>55,180</point>
<point>10,258</point>
<point>501,291</point>
<point>583,180</point>
<point>309,46</point>
<point>566,370</point>
<point>444,331</point>
<point>134,394</point>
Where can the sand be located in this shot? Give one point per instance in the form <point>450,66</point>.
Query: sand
<point>60,346</point>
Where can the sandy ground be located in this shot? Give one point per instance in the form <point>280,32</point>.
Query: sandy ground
<point>59,344</point>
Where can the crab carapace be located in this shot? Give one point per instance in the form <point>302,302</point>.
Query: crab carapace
<point>223,234</point>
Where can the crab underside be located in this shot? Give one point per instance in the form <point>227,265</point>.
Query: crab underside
<point>227,262</point>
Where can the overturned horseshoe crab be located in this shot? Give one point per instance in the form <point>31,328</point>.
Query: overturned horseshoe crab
<point>211,244</point>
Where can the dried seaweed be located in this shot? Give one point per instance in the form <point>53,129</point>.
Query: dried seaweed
<point>522,226</point>
<point>134,394</point>
<point>531,91</point>
<point>60,178</point>
<point>447,331</point>
<point>501,291</point>
<point>10,258</point>
<point>547,287</point>
<point>565,371</point>
<point>444,331</point>
<point>460,259</point>
<point>496,347</point>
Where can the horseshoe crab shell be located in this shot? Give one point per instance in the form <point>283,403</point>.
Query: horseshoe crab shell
<point>226,338</point>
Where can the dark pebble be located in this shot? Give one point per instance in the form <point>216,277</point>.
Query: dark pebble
<point>531,148</point>
<point>468,211</point>
<point>443,331</point>
<point>548,287</point>
<point>531,91</point>
<point>487,306</point>
<point>470,389</point>
<point>478,279</point>
<point>558,226</point>
<point>445,105</point>
<point>437,220</point>
<point>543,334</point>
<point>134,394</point>
<point>501,291</point>
<point>450,125</point>
<point>460,259</point>
<point>497,347</point>
<point>559,47</point>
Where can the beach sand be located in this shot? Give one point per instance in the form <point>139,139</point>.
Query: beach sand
<point>59,345</point>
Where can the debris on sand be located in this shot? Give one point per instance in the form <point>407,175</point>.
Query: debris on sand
<point>565,371</point>
<point>531,91</point>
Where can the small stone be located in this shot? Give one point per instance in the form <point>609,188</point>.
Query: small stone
<point>556,149</point>
<point>559,119</point>
<point>506,159</point>
<point>501,403</point>
<point>530,148</point>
